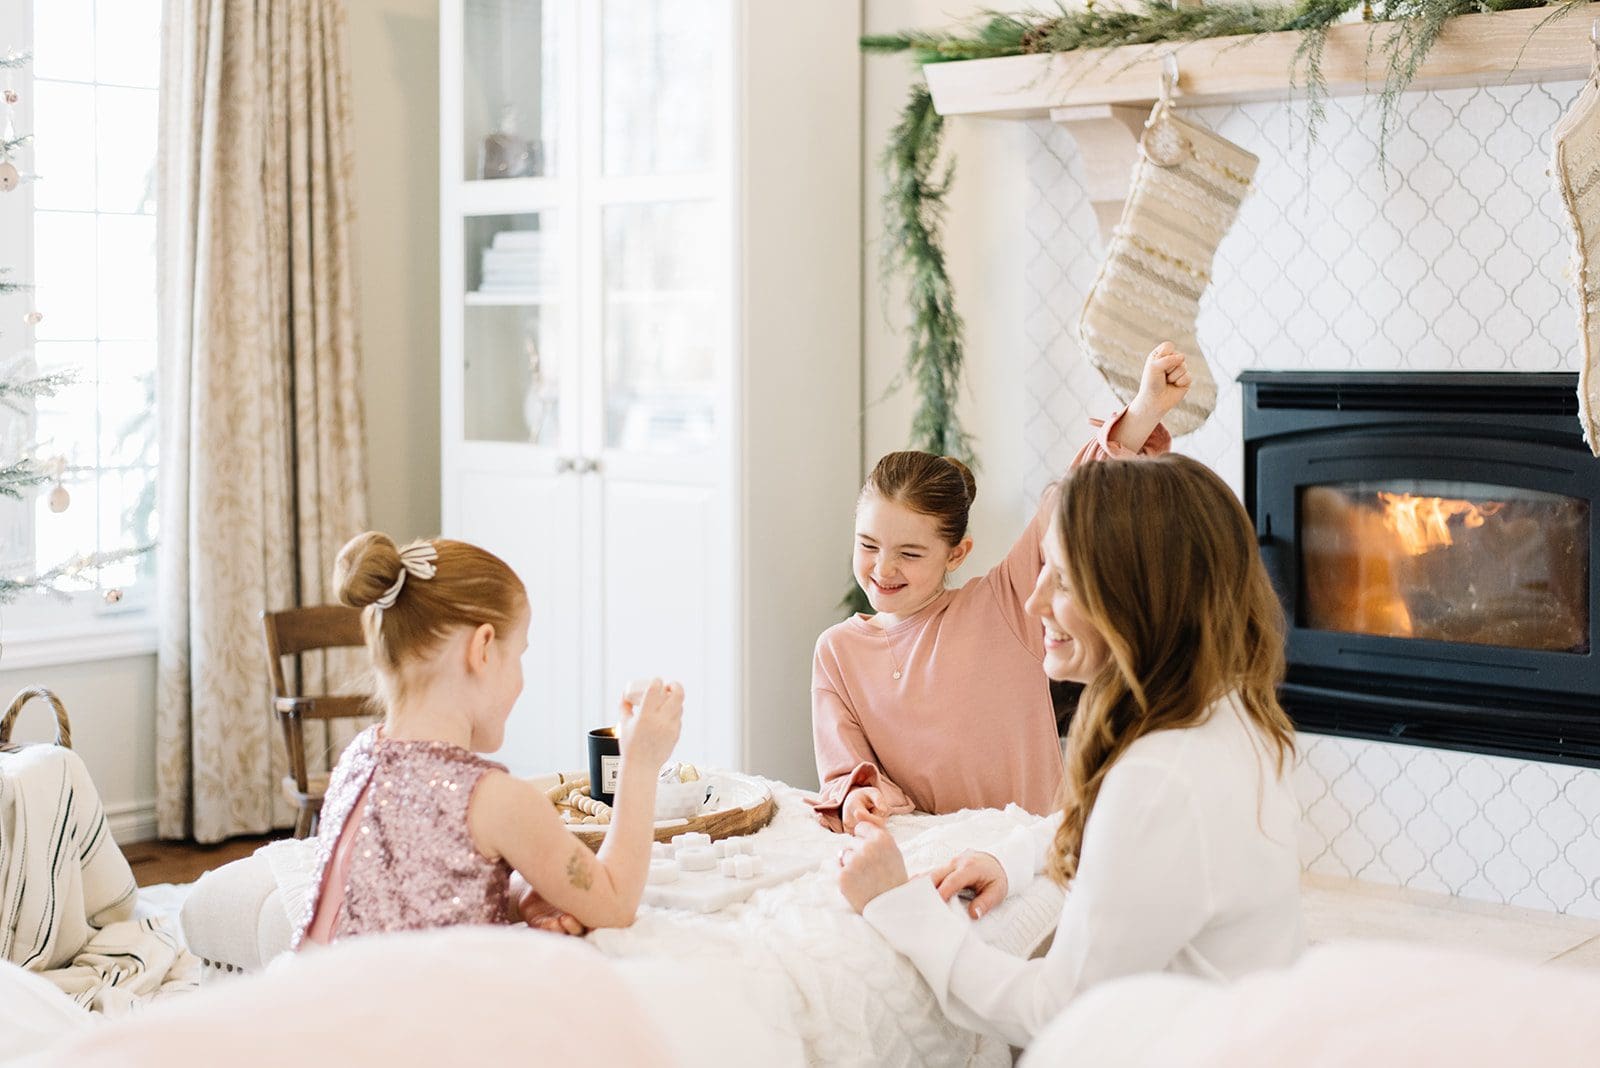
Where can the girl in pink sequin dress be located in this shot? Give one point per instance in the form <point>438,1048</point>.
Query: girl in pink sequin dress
<point>420,831</point>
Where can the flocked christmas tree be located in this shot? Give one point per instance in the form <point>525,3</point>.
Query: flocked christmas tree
<point>23,472</point>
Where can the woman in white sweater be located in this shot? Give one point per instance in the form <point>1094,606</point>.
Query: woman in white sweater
<point>1177,830</point>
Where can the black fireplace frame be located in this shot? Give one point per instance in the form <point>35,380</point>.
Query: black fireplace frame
<point>1518,429</point>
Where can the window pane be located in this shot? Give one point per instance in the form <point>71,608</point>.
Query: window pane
<point>127,37</point>
<point>63,146</point>
<point>127,150</point>
<point>58,40</point>
<point>127,417</point>
<point>64,275</point>
<point>127,276</point>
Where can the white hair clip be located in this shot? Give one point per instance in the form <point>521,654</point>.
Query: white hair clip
<point>415,559</point>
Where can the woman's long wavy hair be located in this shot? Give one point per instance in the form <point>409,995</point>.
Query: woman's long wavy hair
<point>1161,559</point>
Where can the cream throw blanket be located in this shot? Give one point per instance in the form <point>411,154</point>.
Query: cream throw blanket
<point>67,895</point>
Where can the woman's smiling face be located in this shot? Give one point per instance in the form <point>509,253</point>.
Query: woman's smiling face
<point>1074,648</point>
<point>900,560</point>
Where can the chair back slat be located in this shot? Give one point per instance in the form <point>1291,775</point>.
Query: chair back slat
<point>323,626</point>
<point>289,633</point>
<point>338,706</point>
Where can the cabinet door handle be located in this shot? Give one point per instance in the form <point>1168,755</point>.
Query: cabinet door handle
<point>565,464</point>
<point>588,466</point>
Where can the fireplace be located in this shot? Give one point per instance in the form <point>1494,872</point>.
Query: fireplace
<point>1433,537</point>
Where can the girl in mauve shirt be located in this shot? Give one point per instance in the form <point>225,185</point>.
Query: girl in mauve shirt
<point>937,702</point>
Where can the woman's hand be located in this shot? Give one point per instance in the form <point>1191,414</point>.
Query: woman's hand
<point>870,866</point>
<point>1163,383</point>
<point>538,913</point>
<point>864,804</point>
<point>648,721</point>
<point>979,873</point>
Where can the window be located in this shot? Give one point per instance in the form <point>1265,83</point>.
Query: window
<point>84,235</point>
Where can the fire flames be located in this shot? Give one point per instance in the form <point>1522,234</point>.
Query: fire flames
<point>1422,524</point>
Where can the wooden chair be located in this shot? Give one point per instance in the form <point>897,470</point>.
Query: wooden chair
<point>289,633</point>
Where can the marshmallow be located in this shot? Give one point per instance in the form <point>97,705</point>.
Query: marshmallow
<point>690,840</point>
<point>729,871</point>
<point>755,865</point>
<point>744,867</point>
<point>696,858</point>
<point>663,871</point>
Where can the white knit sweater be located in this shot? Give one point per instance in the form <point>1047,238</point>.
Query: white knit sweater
<point>1189,864</point>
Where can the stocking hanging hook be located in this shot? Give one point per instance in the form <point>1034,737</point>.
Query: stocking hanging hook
<point>1169,73</point>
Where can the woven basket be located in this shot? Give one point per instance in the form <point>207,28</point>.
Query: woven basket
<point>63,725</point>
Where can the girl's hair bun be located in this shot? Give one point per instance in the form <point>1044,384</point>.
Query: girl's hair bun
<point>366,567</point>
<point>967,478</point>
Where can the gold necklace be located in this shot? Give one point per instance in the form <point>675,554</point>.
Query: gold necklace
<point>889,644</point>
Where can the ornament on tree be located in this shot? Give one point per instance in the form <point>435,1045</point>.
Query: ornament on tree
<point>9,176</point>
<point>1576,168</point>
<point>59,500</point>
<point>33,318</point>
<point>11,96</point>
<point>1184,195</point>
<point>113,595</point>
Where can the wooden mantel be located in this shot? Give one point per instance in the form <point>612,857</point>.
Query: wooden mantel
<point>1103,95</point>
<point>1496,49</point>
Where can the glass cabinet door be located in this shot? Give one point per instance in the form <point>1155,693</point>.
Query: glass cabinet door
<point>660,326</point>
<point>663,256</point>
<point>512,326</point>
<point>509,100</point>
<point>658,85</point>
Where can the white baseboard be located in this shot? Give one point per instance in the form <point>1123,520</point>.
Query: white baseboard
<point>132,821</point>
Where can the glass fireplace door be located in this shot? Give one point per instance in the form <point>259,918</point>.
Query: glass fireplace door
<point>1445,560</point>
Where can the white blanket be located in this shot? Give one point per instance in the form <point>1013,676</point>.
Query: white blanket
<point>809,965</point>
<point>67,895</point>
<point>804,955</point>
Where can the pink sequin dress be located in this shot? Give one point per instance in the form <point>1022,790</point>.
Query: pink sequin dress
<point>394,824</point>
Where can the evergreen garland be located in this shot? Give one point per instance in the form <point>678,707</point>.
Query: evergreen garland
<point>914,199</point>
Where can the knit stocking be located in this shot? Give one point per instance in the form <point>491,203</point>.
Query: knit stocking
<point>1185,194</point>
<point>1577,172</point>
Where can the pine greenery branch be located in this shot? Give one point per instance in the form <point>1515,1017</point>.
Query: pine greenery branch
<point>12,587</point>
<point>34,387</point>
<point>8,286</point>
<point>20,475</point>
<point>914,209</point>
<point>9,146</point>
<point>14,60</point>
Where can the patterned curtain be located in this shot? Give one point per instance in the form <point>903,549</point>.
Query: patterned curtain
<point>263,472</point>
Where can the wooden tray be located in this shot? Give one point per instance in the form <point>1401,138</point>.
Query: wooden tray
<point>750,807</point>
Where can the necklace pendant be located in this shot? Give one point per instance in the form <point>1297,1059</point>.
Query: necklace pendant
<point>897,674</point>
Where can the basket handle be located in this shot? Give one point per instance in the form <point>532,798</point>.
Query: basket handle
<point>63,727</point>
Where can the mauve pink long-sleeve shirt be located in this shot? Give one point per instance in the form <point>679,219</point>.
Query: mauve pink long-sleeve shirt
<point>969,723</point>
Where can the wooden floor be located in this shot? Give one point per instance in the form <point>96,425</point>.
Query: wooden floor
<point>184,862</point>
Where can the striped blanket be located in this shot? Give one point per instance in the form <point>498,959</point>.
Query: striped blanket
<point>67,895</point>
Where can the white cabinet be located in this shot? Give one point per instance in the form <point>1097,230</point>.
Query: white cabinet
<point>603,389</point>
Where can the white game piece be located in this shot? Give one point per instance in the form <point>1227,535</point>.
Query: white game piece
<point>737,846</point>
<point>690,840</point>
<point>663,871</point>
<point>696,858</point>
<point>755,864</point>
<point>744,867</point>
<point>728,869</point>
<point>660,851</point>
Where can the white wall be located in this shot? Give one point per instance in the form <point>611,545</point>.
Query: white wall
<point>395,95</point>
<point>800,138</point>
<point>983,228</point>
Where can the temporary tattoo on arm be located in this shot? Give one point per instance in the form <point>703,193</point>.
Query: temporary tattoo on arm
<point>578,872</point>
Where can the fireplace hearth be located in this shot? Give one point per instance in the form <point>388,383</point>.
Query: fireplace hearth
<point>1433,538</point>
